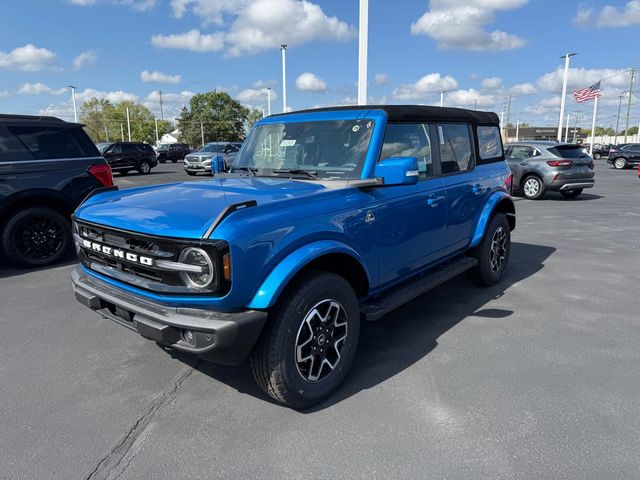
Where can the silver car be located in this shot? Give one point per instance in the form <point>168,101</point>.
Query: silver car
<point>221,154</point>
<point>541,166</point>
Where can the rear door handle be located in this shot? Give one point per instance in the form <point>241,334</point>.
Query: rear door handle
<point>478,189</point>
<point>433,201</point>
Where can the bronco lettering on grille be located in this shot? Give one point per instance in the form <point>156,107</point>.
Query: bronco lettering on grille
<point>117,253</point>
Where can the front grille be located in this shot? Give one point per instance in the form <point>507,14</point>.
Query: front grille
<point>132,257</point>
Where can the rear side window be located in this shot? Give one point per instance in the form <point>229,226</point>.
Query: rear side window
<point>519,152</point>
<point>568,151</point>
<point>409,140</point>
<point>456,153</point>
<point>46,142</point>
<point>489,143</point>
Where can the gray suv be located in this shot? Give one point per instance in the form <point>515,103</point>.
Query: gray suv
<point>541,166</point>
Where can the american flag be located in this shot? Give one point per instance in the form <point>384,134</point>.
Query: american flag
<point>587,93</point>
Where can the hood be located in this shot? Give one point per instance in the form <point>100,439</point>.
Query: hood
<point>185,210</point>
<point>202,154</point>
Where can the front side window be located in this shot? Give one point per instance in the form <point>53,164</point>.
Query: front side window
<point>489,142</point>
<point>409,140</point>
<point>331,150</point>
<point>45,142</point>
<point>456,154</point>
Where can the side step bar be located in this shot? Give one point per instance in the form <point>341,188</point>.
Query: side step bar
<point>379,306</point>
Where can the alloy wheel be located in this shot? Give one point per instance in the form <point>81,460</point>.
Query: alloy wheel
<point>320,340</point>
<point>531,187</point>
<point>498,253</point>
<point>38,238</point>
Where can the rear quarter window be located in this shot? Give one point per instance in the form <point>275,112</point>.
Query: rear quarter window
<point>568,151</point>
<point>489,144</point>
<point>52,142</point>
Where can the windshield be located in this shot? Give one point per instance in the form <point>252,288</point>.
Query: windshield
<point>162,146</point>
<point>102,147</point>
<point>212,147</point>
<point>333,149</point>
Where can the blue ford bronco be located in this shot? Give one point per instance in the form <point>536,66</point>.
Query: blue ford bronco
<point>327,217</point>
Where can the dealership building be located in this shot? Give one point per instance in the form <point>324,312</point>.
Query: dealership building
<point>541,133</point>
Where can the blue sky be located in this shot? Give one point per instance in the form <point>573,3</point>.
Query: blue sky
<point>477,50</point>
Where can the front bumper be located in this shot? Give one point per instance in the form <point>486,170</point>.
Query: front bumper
<point>197,167</point>
<point>218,337</point>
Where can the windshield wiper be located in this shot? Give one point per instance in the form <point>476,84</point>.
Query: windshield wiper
<point>251,170</point>
<point>299,171</point>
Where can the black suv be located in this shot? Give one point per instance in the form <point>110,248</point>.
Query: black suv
<point>172,151</point>
<point>624,156</point>
<point>47,168</point>
<point>126,156</point>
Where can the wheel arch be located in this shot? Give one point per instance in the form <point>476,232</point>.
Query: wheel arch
<point>36,198</point>
<point>499,202</point>
<point>331,256</point>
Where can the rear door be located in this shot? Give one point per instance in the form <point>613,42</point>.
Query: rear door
<point>518,158</point>
<point>465,189</point>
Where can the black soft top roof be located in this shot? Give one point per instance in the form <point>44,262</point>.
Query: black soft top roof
<point>418,113</point>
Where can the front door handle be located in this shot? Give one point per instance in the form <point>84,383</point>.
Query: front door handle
<point>433,201</point>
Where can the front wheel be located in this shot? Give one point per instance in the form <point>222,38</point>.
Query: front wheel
<point>144,167</point>
<point>620,164</point>
<point>597,156</point>
<point>493,252</point>
<point>192,174</point>
<point>309,342</point>
<point>571,193</point>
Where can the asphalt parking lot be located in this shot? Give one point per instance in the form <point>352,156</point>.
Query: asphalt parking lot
<point>538,377</point>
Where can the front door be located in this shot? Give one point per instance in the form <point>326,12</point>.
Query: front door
<point>410,221</point>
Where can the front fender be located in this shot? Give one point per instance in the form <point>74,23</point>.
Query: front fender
<point>485,216</point>
<point>280,276</point>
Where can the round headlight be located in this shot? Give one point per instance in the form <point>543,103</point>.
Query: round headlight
<point>200,258</point>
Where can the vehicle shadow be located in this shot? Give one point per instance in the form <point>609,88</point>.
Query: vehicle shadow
<point>555,196</point>
<point>8,269</point>
<point>405,336</point>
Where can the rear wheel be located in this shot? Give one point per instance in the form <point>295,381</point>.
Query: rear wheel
<point>162,159</point>
<point>35,237</point>
<point>144,167</point>
<point>597,156</point>
<point>571,193</point>
<point>620,163</point>
<point>174,160</point>
<point>493,252</point>
<point>532,187</point>
<point>309,342</point>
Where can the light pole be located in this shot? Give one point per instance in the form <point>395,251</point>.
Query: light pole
<point>283,49</point>
<point>362,52</point>
<point>575,128</point>
<point>442,98</point>
<point>268,101</point>
<point>161,110</point>
<point>508,110</point>
<point>633,74</point>
<point>620,97</point>
<point>128,125</point>
<point>73,97</point>
<point>564,91</point>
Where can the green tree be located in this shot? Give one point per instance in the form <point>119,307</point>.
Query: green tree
<point>95,113</point>
<point>253,117</point>
<point>219,116</point>
<point>631,131</point>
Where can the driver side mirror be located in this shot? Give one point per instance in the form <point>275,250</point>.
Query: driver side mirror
<point>398,171</point>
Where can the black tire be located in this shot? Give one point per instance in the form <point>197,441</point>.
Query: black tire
<point>162,159</point>
<point>597,156</point>
<point>487,272</point>
<point>36,237</point>
<point>533,193</point>
<point>192,174</point>
<point>274,361</point>
<point>620,163</point>
<point>144,167</point>
<point>123,172</point>
<point>174,160</point>
<point>571,193</point>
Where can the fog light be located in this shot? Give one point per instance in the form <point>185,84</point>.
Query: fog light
<point>187,336</point>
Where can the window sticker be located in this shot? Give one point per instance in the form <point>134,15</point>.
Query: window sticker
<point>355,128</point>
<point>288,142</point>
<point>441,135</point>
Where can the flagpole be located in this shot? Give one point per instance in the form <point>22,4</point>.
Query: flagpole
<point>593,125</point>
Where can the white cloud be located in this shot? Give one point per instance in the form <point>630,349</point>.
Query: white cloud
<point>39,88</point>
<point>192,40</point>
<point>523,89</point>
<point>470,98</point>
<point>462,26</point>
<point>431,83</point>
<point>583,77</point>
<point>255,25</point>
<point>492,83</point>
<point>4,93</point>
<point>308,82</point>
<point>380,79</point>
<point>172,103</point>
<point>139,5</point>
<point>85,58</point>
<point>113,96</point>
<point>255,95</point>
<point>159,77</point>
<point>264,83</point>
<point>27,58</point>
<point>608,16</point>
